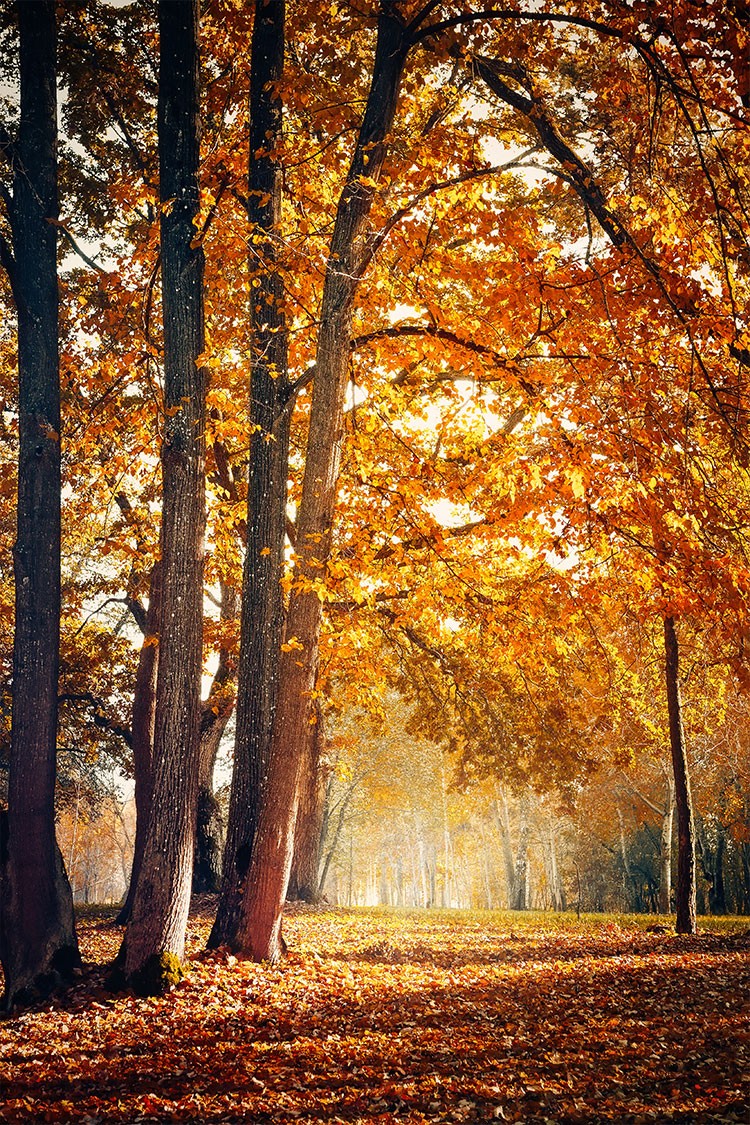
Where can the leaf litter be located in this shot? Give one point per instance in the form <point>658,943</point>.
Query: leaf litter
<point>393,1016</point>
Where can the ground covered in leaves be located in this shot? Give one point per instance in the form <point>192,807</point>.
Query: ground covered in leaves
<point>386,1016</point>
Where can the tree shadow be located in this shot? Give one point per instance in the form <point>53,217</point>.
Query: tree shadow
<point>571,1042</point>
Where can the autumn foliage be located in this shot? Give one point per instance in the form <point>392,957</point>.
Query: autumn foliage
<point>461,376</point>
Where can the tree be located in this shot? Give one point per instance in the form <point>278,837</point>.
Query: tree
<point>685,890</point>
<point>38,944</point>
<point>262,620</point>
<point>155,935</point>
<point>259,930</point>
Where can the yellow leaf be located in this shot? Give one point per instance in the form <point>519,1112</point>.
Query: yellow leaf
<point>292,645</point>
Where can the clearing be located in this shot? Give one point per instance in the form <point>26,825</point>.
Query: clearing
<point>389,1016</point>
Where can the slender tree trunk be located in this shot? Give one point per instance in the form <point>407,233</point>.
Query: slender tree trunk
<point>665,851</point>
<point>155,937</point>
<point>745,857</point>
<point>518,893</point>
<point>627,875</point>
<point>216,713</point>
<point>259,930</point>
<point>557,887</point>
<point>209,827</point>
<point>142,729</point>
<point>262,619</point>
<point>38,946</point>
<point>448,874</point>
<point>502,818</point>
<point>685,892</point>
<point>718,895</point>
<point>308,840</point>
<point>208,824</point>
<point>334,842</point>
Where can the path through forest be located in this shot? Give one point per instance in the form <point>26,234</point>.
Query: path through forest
<point>385,1016</point>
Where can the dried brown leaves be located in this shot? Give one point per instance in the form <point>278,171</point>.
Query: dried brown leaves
<point>391,1017</point>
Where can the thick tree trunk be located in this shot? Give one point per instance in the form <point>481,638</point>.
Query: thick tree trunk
<point>259,930</point>
<point>155,937</point>
<point>304,883</point>
<point>685,891</point>
<point>38,945</point>
<point>262,617</point>
<point>142,731</point>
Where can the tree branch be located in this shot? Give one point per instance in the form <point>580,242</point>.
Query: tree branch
<point>99,716</point>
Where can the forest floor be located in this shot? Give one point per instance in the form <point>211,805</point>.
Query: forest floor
<point>390,1016</point>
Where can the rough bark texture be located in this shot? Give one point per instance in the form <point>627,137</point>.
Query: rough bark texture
<point>259,930</point>
<point>262,619</point>
<point>685,891</point>
<point>156,932</point>
<point>142,732</point>
<point>216,713</point>
<point>38,945</point>
<point>304,885</point>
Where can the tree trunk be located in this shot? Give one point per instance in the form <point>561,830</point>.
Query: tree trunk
<point>518,892</point>
<point>718,894</point>
<point>38,946</point>
<point>262,618</point>
<point>209,827</point>
<point>502,819</point>
<point>216,713</point>
<point>448,874</point>
<point>665,851</point>
<point>556,885</point>
<point>155,937</point>
<point>745,858</point>
<point>259,930</point>
<point>685,892</point>
<point>712,863</point>
<point>308,834</point>
<point>142,730</point>
<point>340,819</point>
<point>628,882</point>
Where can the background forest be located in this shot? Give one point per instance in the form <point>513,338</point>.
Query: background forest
<point>427,323</point>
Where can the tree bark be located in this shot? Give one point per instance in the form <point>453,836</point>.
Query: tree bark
<point>335,836</point>
<point>38,946</point>
<point>155,937</point>
<point>216,713</point>
<point>665,851</point>
<point>262,615</point>
<point>209,827</point>
<point>304,884</point>
<point>502,819</point>
<point>556,884</point>
<point>685,891</point>
<point>142,731</point>
<point>518,892</point>
<point>259,930</point>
